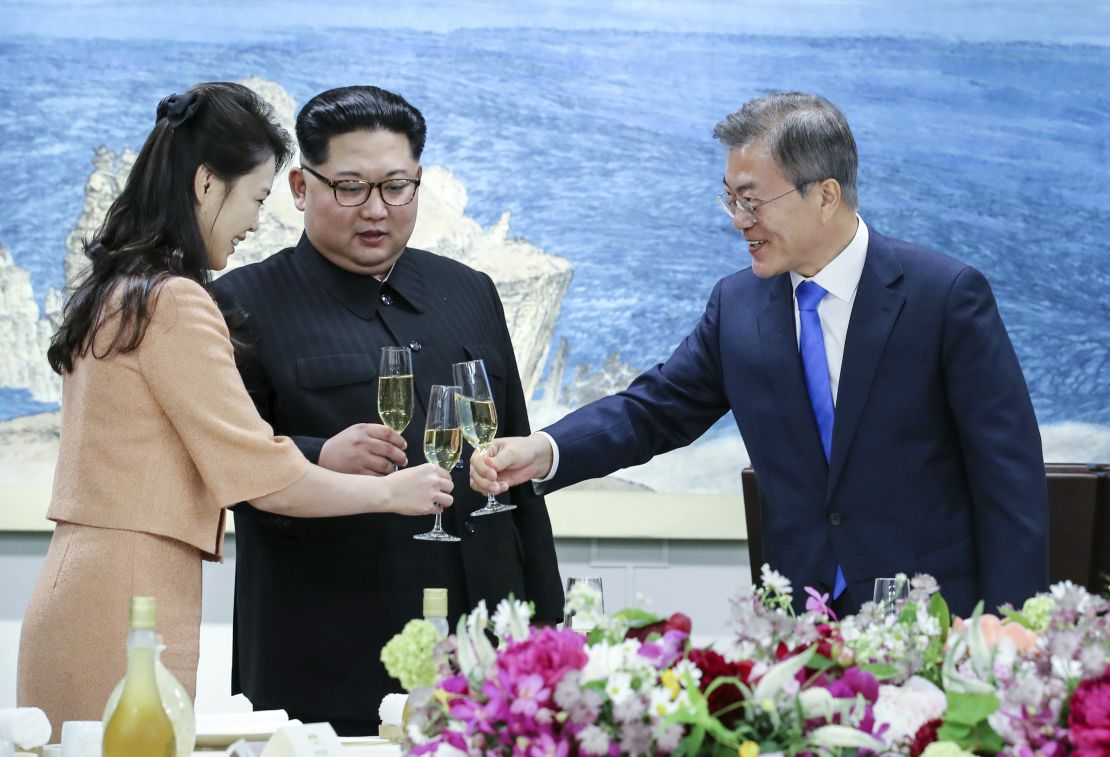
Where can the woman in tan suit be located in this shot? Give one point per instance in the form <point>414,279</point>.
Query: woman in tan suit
<point>158,432</point>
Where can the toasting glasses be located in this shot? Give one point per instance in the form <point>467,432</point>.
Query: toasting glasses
<point>442,445</point>
<point>478,417</point>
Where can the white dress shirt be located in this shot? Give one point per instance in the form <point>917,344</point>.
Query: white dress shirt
<point>840,278</point>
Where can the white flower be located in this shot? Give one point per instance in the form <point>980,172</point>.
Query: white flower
<point>594,739</point>
<point>774,581</point>
<point>606,659</point>
<point>478,618</point>
<point>1066,669</point>
<point>510,620</point>
<point>685,670</point>
<point>817,702</point>
<point>844,737</point>
<point>907,707</point>
<point>619,687</point>
<point>770,684</point>
<point>662,703</point>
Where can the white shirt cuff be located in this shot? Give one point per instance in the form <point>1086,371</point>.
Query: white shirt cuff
<point>554,459</point>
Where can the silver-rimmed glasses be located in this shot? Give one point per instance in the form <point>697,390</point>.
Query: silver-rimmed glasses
<point>353,192</point>
<point>733,205</point>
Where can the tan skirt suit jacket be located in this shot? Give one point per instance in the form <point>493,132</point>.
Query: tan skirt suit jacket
<point>155,443</point>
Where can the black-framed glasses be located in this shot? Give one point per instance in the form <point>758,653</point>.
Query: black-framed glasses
<point>733,205</point>
<point>353,192</point>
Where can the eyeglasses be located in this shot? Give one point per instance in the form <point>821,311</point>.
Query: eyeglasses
<point>732,205</point>
<point>353,192</point>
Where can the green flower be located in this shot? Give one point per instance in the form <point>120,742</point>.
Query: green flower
<point>408,655</point>
<point>1038,611</point>
<point>945,749</point>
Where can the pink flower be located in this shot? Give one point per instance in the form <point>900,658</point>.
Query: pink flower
<point>819,603</point>
<point>1090,716</point>
<point>548,652</point>
<point>528,694</point>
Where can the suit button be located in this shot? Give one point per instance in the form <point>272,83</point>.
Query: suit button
<point>835,519</point>
<point>470,527</point>
<point>386,299</point>
<point>415,346</point>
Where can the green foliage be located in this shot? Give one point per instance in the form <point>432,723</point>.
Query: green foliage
<point>965,723</point>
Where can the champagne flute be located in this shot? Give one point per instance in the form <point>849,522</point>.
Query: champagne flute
<point>395,388</point>
<point>442,445</point>
<point>478,417</point>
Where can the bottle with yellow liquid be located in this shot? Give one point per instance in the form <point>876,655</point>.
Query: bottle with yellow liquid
<point>139,725</point>
<point>175,701</point>
<point>435,610</point>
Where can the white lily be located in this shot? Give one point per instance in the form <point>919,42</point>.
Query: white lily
<point>817,702</point>
<point>845,737</point>
<point>772,683</point>
<point>476,653</point>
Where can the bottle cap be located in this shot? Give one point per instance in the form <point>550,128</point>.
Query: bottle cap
<point>142,612</point>
<point>435,603</point>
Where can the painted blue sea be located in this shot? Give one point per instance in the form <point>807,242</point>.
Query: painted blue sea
<point>599,141</point>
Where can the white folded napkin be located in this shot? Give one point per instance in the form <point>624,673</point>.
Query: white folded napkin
<point>82,738</point>
<point>26,727</point>
<point>391,711</point>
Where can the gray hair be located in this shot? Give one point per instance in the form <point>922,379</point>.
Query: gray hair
<point>808,137</point>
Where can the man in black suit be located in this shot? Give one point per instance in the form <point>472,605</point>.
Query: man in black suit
<point>315,600</point>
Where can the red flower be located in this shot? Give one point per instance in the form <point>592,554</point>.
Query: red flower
<point>714,666</point>
<point>677,622</point>
<point>1089,720</point>
<point>925,736</point>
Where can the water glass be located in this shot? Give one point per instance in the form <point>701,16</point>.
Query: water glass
<point>890,593</point>
<point>569,619</point>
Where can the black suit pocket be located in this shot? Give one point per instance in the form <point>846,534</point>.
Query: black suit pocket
<point>495,366</point>
<point>324,371</point>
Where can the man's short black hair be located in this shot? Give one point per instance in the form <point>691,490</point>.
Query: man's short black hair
<point>358,108</point>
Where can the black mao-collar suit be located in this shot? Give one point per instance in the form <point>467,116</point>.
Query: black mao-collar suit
<point>316,599</point>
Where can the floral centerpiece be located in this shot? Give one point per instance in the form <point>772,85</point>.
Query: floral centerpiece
<point>911,681</point>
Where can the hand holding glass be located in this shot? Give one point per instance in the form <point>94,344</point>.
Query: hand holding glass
<point>395,388</point>
<point>442,445</point>
<point>478,417</point>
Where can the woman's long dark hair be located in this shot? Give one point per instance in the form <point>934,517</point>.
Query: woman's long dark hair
<point>151,231</point>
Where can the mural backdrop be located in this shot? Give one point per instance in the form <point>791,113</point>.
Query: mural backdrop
<point>982,132</point>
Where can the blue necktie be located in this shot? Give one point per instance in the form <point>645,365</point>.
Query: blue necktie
<point>811,343</point>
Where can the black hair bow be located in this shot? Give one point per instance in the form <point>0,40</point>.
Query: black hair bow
<point>177,109</point>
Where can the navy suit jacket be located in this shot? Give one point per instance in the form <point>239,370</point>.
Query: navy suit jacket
<point>936,462</point>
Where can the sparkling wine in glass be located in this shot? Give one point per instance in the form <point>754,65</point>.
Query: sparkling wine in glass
<point>395,388</point>
<point>478,417</point>
<point>442,445</point>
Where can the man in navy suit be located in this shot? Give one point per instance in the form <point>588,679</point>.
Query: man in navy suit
<point>316,599</point>
<point>873,382</point>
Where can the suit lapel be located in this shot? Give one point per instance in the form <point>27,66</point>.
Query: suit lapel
<point>779,343</point>
<point>874,314</point>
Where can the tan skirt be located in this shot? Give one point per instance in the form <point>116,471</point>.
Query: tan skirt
<point>73,645</point>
